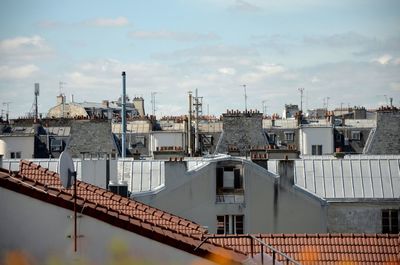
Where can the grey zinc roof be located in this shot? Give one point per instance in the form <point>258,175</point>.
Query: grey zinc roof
<point>365,123</point>
<point>350,178</point>
<point>59,131</point>
<point>141,175</point>
<point>133,127</point>
<point>210,127</point>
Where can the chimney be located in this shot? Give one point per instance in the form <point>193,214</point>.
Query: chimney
<point>123,115</point>
<point>138,103</point>
<point>286,172</point>
<point>105,103</point>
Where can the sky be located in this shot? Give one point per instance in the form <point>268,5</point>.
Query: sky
<point>343,53</point>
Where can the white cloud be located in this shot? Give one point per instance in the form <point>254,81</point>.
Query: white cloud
<point>173,35</point>
<point>21,42</point>
<point>315,79</point>
<point>18,72</point>
<point>384,59</point>
<point>24,48</point>
<point>109,22</point>
<point>227,70</point>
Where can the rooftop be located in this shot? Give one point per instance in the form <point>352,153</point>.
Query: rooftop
<point>324,248</point>
<point>42,184</point>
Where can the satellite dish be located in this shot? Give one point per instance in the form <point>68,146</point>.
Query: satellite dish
<point>66,169</point>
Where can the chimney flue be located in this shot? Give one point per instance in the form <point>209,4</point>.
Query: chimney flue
<point>123,114</point>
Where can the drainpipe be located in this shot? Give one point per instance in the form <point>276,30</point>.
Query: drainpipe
<point>123,137</point>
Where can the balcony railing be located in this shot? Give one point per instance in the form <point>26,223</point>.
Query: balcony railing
<point>230,198</point>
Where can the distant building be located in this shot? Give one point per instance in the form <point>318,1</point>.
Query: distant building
<point>105,109</point>
<point>25,139</point>
<point>290,111</point>
<point>325,194</point>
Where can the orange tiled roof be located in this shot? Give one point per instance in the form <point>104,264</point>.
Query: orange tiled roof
<point>40,183</point>
<point>324,248</point>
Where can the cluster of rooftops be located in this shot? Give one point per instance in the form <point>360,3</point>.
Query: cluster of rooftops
<point>42,184</point>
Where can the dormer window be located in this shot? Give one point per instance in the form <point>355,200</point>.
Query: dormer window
<point>229,185</point>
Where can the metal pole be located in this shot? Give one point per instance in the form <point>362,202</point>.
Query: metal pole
<point>196,125</point>
<point>123,137</point>
<point>262,254</point>
<point>301,98</point>
<point>245,98</point>
<point>190,125</point>
<point>75,223</point>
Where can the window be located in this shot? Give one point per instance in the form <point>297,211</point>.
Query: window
<point>229,179</point>
<point>138,141</point>
<point>338,137</point>
<point>316,150</point>
<point>56,145</point>
<point>289,136</point>
<point>15,155</point>
<point>230,224</point>
<point>355,135</point>
<point>390,221</point>
<point>271,138</point>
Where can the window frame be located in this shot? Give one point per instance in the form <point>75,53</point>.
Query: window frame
<point>289,136</point>
<point>390,221</point>
<point>230,224</point>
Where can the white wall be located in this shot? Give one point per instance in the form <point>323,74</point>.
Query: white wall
<point>159,139</point>
<point>23,144</point>
<point>41,230</point>
<point>310,136</point>
<point>289,211</point>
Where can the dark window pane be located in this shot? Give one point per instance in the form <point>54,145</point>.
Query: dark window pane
<point>239,224</point>
<point>220,178</point>
<point>319,149</point>
<point>394,220</point>
<point>314,150</point>
<point>220,224</point>
<point>226,224</point>
<point>237,181</point>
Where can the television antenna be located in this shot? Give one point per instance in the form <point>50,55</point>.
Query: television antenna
<point>153,103</point>
<point>67,174</point>
<point>7,104</point>
<point>301,90</point>
<point>245,97</point>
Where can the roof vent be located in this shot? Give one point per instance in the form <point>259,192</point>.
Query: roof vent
<point>120,188</point>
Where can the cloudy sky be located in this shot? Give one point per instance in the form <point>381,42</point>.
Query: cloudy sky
<point>346,50</point>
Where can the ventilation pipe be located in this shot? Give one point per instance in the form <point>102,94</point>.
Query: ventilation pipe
<point>190,125</point>
<point>123,137</point>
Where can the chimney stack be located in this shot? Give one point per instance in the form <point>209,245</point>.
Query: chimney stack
<point>123,137</point>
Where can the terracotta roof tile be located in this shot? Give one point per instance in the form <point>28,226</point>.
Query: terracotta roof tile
<point>326,248</point>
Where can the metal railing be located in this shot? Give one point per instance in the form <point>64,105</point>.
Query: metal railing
<point>230,198</point>
<point>253,239</point>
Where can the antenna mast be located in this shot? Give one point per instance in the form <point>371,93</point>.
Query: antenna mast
<point>198,107</point>
<point>8,107</point>
<point>153,103</point>
<point>301,98</point>
<point>36,102</point>
<point>245,97</point>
